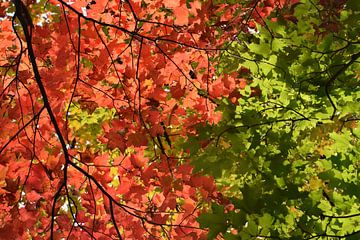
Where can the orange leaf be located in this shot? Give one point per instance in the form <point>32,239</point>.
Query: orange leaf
<point>182,15</point>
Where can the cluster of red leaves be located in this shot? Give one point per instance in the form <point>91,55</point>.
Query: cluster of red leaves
<point>330,15</point>
<point>151,61</point>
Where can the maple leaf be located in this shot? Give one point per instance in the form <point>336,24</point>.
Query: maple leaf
<point>115,140</point>
<point>181,15</point>
<point>177,92</point>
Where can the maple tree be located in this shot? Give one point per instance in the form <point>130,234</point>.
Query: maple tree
<point>95,96</point>
<point>103,104</point>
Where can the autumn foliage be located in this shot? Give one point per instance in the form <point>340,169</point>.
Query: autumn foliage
<point>150,64</point>
<point>98,99</point>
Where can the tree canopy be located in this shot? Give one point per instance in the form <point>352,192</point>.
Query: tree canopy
<point>180,119</point>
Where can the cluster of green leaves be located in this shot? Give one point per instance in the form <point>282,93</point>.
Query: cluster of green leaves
<point>87,125</point>
<point>288,158</point>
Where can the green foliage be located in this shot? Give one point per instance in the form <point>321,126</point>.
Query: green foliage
<point>88,125</point>
<point>288,158</point>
